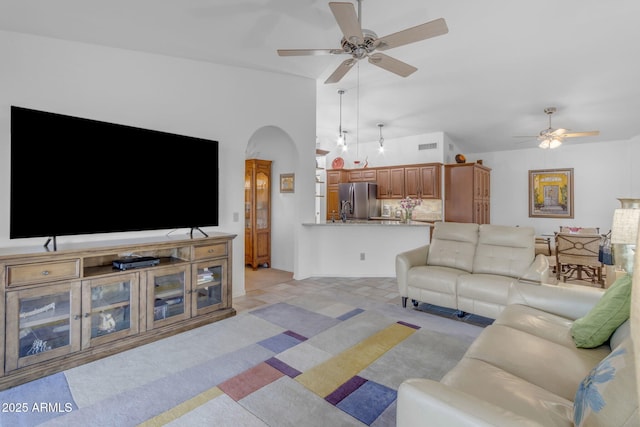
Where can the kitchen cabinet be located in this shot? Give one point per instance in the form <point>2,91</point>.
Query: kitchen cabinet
<point>257,214</point>
<point>467,193</point>
<point>422,181</point>
<point>362,175</point>
<point>390,183</point>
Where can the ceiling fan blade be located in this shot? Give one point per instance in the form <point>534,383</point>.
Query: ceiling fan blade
<point>345,14</point>
<point>430,29</point>
<point>341,71</point>
<point>309,52</point>
<point>576,134</point>
<point>557,132</point>
<point>391,64</point>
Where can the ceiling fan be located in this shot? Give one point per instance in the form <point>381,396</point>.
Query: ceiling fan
<point>361,43</point>
<point>553,138</point>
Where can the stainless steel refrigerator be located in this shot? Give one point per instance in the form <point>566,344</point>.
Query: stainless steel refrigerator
<point>358,200</point>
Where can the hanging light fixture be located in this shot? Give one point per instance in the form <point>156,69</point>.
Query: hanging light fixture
<point>344,141</point>
<point>381,139</point>
<point>341,136</point>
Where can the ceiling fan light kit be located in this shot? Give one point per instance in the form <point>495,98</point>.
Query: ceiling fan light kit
<point>362,43</point>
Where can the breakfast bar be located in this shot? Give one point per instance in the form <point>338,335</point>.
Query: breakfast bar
<point>359,248</point>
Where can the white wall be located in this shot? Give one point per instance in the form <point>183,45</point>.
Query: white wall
<point>397,151</point>
<point>193,98</point>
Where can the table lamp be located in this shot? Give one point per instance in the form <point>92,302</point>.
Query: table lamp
<point>624,234</point>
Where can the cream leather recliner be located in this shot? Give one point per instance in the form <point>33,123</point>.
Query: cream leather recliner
<point>469,267</point>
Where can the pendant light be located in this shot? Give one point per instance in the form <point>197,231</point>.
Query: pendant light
<point>381,139</point>
<point>344,141</point>
<point>341,136</point>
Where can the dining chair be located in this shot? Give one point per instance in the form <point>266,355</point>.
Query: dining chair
<point>577,254</point>
<point>580,230</point>
<point>543,246</point>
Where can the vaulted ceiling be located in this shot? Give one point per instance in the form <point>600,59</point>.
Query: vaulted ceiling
<point>488,79</point>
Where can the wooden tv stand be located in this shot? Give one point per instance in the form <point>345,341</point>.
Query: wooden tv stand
<point>69,307</point>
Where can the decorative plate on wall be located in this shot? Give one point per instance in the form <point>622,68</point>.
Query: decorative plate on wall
<point>337,163</point>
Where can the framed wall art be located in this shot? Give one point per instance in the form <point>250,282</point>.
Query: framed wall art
<point>551,193</point>
<point>286,182</point>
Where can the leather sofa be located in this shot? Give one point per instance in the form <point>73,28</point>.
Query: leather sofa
<point>469,267</point>
<point>526,370</point>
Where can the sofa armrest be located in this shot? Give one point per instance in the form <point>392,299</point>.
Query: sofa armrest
<point>538,271</point>
<point>424,402</point>
<point>569,301</point>
<point>406,260</point>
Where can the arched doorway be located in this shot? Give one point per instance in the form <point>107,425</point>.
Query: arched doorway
<point>274,144</point>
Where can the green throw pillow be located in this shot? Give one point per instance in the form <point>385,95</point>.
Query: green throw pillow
<point>611,311</point>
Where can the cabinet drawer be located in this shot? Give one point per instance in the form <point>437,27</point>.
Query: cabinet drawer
<point>202,252</point>
<point>21,274</point>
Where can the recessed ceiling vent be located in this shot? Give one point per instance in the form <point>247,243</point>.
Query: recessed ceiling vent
<point>431,146</point>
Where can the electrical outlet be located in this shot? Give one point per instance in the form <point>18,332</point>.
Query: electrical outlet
<point>236,217</point>
<point>361,256</point>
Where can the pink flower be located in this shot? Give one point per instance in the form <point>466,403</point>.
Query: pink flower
<point>409,203</point>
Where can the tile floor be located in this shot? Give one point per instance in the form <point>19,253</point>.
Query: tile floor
<point>268,286</point>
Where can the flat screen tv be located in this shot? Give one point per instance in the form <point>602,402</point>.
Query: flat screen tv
<point>72,175</point>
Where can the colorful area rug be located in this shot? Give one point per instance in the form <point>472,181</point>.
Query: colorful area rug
<point>322,361</point>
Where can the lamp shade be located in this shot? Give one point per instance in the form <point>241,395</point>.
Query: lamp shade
<point>624,230</point>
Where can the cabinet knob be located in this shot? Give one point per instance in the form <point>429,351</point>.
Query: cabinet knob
<point>45,272</point>
<point>87,314</point>
<point>76,317</point>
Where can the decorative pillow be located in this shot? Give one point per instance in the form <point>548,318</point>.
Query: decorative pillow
<point>612,310</point>
<point>608,395</point>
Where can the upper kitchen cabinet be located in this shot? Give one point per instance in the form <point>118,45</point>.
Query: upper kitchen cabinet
<point>390,183</point>
<point>362,175</point>
<point>467,193</point>
<point>422,181</point>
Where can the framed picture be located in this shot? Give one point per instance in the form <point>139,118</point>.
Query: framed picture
<point>551,193</point>
<point>286,182</point>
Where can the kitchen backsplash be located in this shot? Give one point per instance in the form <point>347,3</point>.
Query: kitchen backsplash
<point>429,210</point>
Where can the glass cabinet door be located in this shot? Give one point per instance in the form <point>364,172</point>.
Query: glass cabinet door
<point>262,200</point>
<point>166,300</point>
<point>42,324</point>
<point>210,291</point>
<point>110,309</point>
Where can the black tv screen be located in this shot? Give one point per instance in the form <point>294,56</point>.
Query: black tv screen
<point>73,175</point>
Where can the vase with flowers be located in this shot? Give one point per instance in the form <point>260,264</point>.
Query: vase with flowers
<point>407,205</point>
